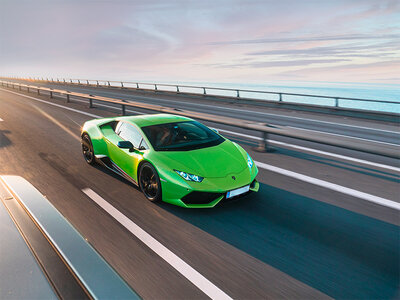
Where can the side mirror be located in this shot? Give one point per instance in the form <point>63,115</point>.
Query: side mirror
<point>215,130</point>
<point>125,145</point>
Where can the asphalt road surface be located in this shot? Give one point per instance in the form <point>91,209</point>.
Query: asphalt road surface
<point>319,227</point>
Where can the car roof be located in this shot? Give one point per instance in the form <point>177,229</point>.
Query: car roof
<point>154,119</point>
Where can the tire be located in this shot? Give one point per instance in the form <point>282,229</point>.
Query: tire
<point>149,182</point>
<point>87,149</point>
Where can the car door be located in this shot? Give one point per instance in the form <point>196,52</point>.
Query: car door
<point>123,158</point>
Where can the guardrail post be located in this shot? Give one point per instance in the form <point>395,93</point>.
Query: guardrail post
<point>64,81</point>
<point>67,97</point>
<point>237,94</point>
<point>97,82</point>
<point>79,82</point>
<point>177,89</point>
<point>123,109</point>
<point>280,97</point>
<point>337,102</point>
<point>51,94</point>
<point>87,81</point>
<point>19,87</point>
<point>155,87</point>
<point>263,145</point>
<point>70,80</point>
<point>137,85</point>
<point>38,91</point>
<point>27,88</point>
<point>122,85</point>
<point>108,83</point>
<point>204,91</point>
<point>90,102</point>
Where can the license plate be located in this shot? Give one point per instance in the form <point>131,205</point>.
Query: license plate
<point>237,192</point>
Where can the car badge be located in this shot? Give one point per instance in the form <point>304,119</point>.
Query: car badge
<point>233,177</point>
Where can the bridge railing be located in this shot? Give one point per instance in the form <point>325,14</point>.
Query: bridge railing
<point>389,150</point>
<point>279,97</point>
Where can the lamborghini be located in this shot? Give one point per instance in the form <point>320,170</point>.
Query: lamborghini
<point>171,158</point>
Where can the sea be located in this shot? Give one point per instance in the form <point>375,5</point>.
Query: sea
<point>367,91</point>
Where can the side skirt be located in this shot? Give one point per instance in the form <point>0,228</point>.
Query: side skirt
<point>109,164</point>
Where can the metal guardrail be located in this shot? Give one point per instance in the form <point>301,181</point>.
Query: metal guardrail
<point>266,129</point>
<point>206,90</point>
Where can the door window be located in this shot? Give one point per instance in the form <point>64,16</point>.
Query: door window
<point>129,133</point>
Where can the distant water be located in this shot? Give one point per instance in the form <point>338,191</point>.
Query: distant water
<point>387,92</point>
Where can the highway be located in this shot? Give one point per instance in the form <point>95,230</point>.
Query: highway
<point>320,226</point>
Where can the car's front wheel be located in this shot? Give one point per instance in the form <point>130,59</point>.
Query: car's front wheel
<point>87,149</point>
<point>149,182</point>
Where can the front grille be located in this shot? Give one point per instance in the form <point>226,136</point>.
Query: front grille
<point>200,197</point>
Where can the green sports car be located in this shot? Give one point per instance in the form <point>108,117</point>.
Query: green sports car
<point>171,158</point>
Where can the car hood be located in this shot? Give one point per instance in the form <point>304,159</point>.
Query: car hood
<point>216,161</point>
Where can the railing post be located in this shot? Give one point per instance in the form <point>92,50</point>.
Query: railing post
<point>38,91</point>
<point>70,80</point>
<point>51,94</point>
<point>263,145</point>
<point>177,89</point>
<point>108,84</point>
<point>27,88</point>
<point>87,81</point>
<point>123,109</point>
<point>19,87</point>
<point>237,94</point>
<point>122,85</point>
<point>97,83</point>
<point>137,85</point>
<point>67,97</point>
<point>336,102</point>
<point>204,91</point>
<point>79,82</point>
<point>155,87</point>
<point>280,97</point>
<point>90,102</point>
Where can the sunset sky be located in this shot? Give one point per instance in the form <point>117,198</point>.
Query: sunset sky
<point>221,41</point>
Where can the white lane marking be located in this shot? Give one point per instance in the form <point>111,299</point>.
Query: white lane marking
<point>232,132</point>
<point>347,136</point>
<point>331,186</point>
<point>362,161</point>
<point>57,123</point>
<point>182,267</point>
<point>54,104</point>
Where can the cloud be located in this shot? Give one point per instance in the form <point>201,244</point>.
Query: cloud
<point>353,37</point>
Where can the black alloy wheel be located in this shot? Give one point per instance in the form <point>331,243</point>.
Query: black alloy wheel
<point>149,182</point>
<point>87,149</point>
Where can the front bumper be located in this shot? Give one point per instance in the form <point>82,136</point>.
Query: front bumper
<point>208,199</point>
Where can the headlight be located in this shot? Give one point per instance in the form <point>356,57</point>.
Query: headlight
<point>189,177</point>
<point>249,161</point>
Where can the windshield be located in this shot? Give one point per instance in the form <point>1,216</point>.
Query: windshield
<point>181,136</point>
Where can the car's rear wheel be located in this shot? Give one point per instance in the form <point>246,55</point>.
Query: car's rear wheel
<point>87,149</point>
<point>149,182</point>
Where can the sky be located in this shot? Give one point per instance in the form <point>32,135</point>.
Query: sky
<point>253,41</point>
